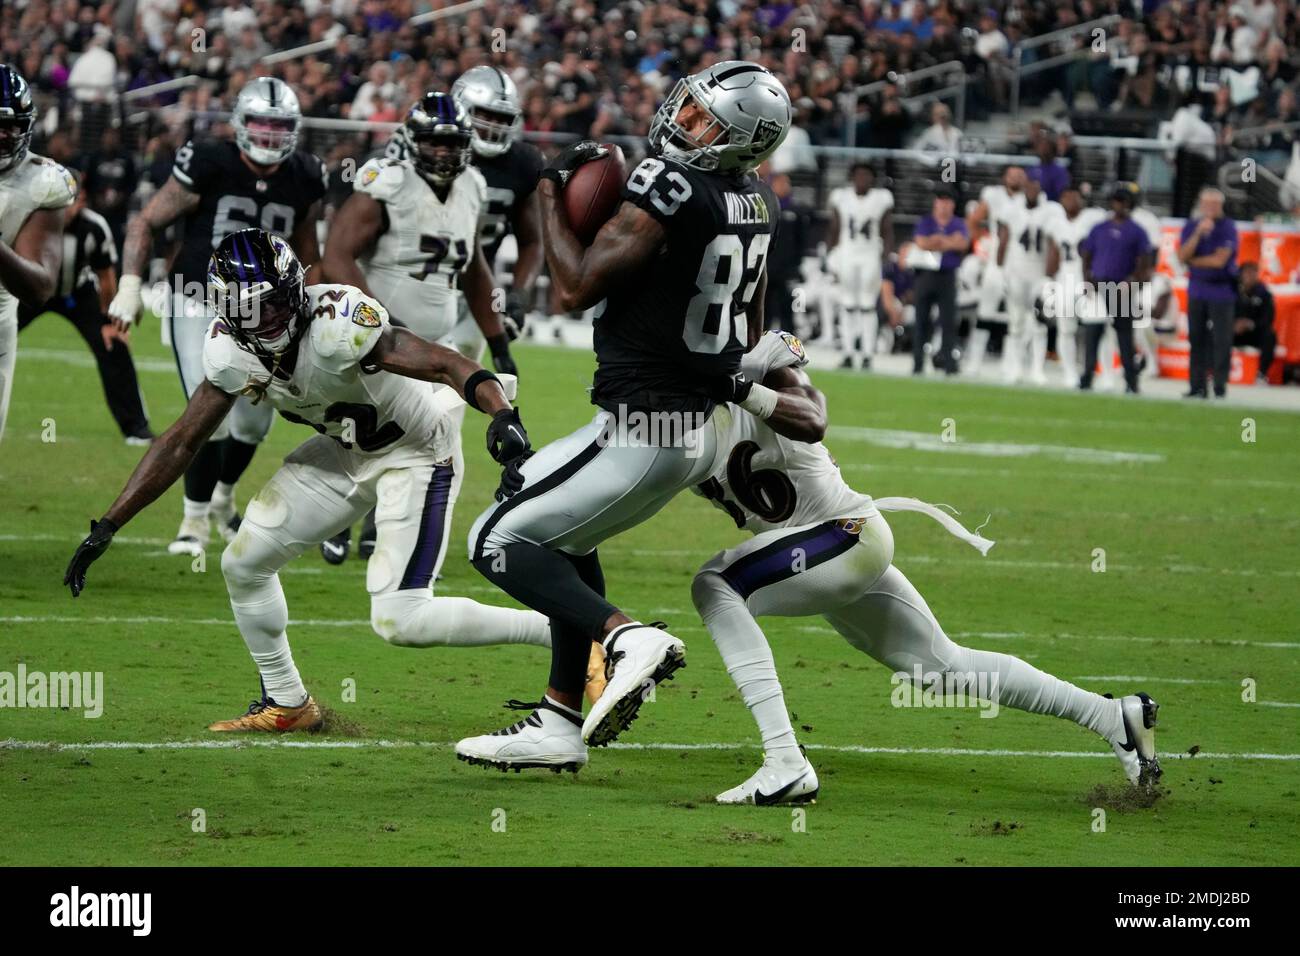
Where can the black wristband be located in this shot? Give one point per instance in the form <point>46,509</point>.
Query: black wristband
<point>473,382</point>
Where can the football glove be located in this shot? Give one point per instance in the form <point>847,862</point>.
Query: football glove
<point>507,443</point>
<point>96,543</point>
<point>567,160</point>
<point>774,350</point>
<point>502,360</point>
<point>516,313</point>
<point>126,305</point>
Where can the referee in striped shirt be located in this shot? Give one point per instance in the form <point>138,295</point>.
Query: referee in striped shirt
<point>87,283</point>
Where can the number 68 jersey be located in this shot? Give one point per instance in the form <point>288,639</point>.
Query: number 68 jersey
<point>327,385</point>
<point>667,332</point>
<point>766,481</point>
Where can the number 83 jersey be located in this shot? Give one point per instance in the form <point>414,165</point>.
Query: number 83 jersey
<point>766,481</point>
<point>669,331</point>
<point>233,197</point>
<point>326,383</point>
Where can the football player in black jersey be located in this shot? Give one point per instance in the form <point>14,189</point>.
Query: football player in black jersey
<point>260,180</point>
<point>681,269</point>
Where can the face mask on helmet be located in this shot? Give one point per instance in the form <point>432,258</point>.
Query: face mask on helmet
<point>442,156</point>
<point>493,131</point>
<point>670,137</point>
<point>274,133</point>
<point>15,135</point>
<point>256,286</point>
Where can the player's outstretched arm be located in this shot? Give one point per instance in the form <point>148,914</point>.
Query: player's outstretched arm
<point>30,269</point>
<point>357,225</point>
<point>168,204</point>
<point>584,276</point>
<point>800,412</point>
<point>402,352</point>
<point>164,462</point>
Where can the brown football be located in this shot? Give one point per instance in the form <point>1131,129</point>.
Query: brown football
<point>594,192</point>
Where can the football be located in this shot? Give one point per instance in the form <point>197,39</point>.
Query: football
<point>593,193</point>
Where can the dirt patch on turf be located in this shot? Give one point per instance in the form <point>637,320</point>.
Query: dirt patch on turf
<point>1124,799</point>
<point>338,725</point>
<point>996,828</point>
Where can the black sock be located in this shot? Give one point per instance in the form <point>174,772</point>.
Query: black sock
<point>565,589</point>
<point>201,477</point>
<point>235,456</point>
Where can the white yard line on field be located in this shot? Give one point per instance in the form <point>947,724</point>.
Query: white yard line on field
<point>226,744</point>
<point>86,360</point>
<point>898,438</point>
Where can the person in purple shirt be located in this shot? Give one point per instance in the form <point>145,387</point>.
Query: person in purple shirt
<point>1050,173</point>
<point>1117,257</point>
<point>942,232</point>
<point>1209,250</point>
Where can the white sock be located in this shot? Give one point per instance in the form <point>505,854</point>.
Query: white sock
<point>223,493</point>
<point>262,616</point>
<point>415,618</point>
<point>748,659</point>
<point>196,509</point>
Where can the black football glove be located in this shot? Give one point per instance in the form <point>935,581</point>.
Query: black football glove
<point>734,389</point>
<point>512,477</point>
<point>96,543</point>
<point>516,314</point>
<point>502,360</point>
<point>570,158</point>
<point>507,443</point>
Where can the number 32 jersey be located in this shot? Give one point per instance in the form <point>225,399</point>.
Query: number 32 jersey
<point>233,197</point>
<point>765,481</point>
<point>667,332</point>
<point>328,386</point>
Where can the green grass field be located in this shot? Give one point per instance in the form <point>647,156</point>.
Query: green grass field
<point>1200,592</point>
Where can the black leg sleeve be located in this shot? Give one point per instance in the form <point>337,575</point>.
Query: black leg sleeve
<point>235,456</point>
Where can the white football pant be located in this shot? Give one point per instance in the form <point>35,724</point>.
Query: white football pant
<point>322,488</point>
<point>842,571</point>
<point>8,357</point>
<point>1024,331</point>
<point>858,277</point>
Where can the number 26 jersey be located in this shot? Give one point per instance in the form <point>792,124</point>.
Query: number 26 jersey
<point>670,330</point>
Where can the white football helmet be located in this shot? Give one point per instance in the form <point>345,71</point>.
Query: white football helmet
<point>271,107</point>
<point>749,113</point>
<point>492,101</point>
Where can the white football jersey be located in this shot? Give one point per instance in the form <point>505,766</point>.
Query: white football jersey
<point>1027,232</point>
<point>860,216</point>
<point>376,413</point>
<point>1068,234</point>
<point>416,263</point>
<point>766,481</point>
<point>998,202</point>
<point>35,183</point>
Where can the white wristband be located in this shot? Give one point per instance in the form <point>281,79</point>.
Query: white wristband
<point>760,401</point>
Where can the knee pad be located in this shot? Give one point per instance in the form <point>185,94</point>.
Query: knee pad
<point>710,590</point>
<point>393,614</point>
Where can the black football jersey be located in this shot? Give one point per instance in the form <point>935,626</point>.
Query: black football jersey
<point>665,335</point>
<point>511,179</point>
<point>233,197</point>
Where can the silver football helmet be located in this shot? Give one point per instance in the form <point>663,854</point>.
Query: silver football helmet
<point>492,101</point>
<point>266,119</point>
<point>749,113</point>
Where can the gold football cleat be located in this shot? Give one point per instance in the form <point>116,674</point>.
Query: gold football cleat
<point>271,718</point>
<point>595,672</point>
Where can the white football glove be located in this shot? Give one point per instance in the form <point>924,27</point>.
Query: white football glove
<point>774,350</point>
<point>126,305</point>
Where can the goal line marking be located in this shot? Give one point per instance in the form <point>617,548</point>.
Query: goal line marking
<point>226,744</point>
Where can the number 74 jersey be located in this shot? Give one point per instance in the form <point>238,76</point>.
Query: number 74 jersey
<point>765,481</point>
<point>670,330</point>
<point>328,385</point>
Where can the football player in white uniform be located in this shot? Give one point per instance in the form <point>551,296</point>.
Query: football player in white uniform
<point>821,548</point>
<point>34,191</point>
<point>327,357</point>
<point>409,236</point>
<point>861,235</point>
<point>1066,301</point>
<point>992,209</point>
<point>218,187</point>
<point>1022,257</point>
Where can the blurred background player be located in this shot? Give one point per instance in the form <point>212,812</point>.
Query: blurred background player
<point>34,191</point>
<point>87,282</point>
<point>861,235</point>
<point>1067,300</point>
<point>994,203</point>
<point>409,236</point>
<point>1253,322</point>
<point>217,187</point>
<point>1022,241</point>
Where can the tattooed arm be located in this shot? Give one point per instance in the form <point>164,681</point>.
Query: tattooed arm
<point>169,204</point>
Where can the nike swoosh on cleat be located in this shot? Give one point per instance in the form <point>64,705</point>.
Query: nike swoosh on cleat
<point>765,799</point>
<point>332,548</point>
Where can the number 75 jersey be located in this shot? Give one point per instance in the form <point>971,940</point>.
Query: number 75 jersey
<point>670,330</point>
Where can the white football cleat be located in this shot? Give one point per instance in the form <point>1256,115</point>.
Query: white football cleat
<point>191,539</point>
<point>1136,750</point>
<point>549,738</point>
<point>637,657</point>
<point>225,517</point>
<point>776,783</point>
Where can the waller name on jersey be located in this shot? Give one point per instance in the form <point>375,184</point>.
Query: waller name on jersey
<point>746,210</point>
